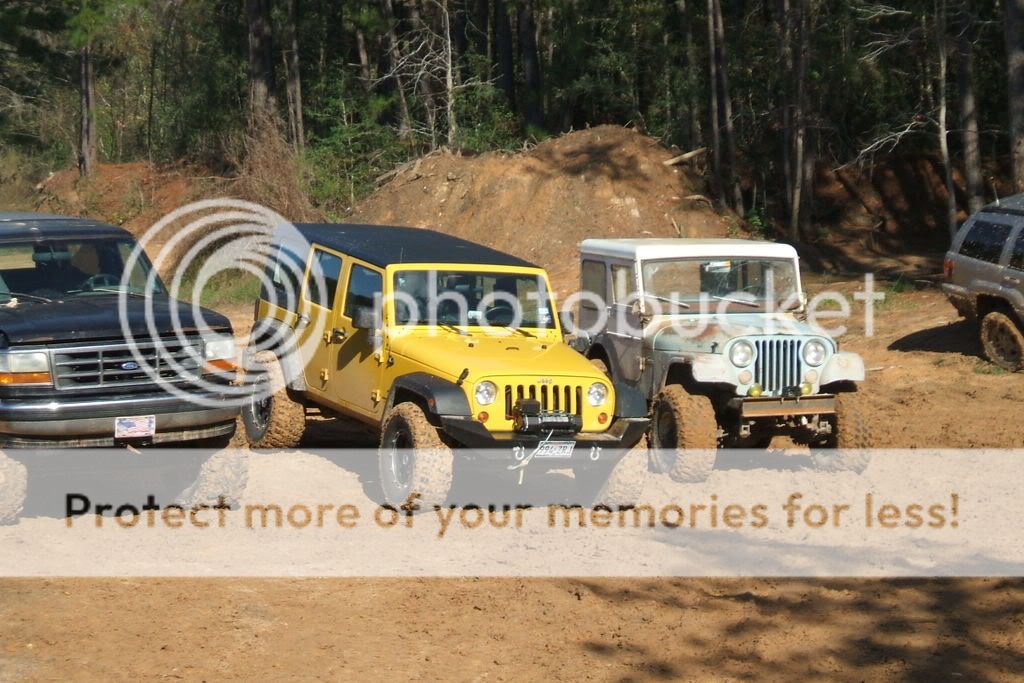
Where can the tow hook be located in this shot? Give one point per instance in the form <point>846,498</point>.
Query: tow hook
<point>595,453</point>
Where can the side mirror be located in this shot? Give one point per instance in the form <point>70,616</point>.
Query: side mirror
<point>364,318</point>
<point>568,321</point>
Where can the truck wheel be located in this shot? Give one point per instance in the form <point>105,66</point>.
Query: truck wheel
<point>271,420</point>
<point>684,435</point>
<point>413,459</point>
<point>622,487</point>
<point>223,477</point>
<point>1003,341</point>
<point>13,488</point>
<point>845,449</point>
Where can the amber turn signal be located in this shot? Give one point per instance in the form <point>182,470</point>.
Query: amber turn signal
<point>8,378</point>
<point>482,416</point>
<point>602,417</point>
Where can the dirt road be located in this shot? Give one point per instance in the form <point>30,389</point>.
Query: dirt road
<point>927,388</point>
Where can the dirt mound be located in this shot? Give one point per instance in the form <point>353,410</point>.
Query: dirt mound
<point>540,204</point>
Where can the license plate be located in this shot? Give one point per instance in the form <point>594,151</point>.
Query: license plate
<point>137,427</point>
<point>555,449</point>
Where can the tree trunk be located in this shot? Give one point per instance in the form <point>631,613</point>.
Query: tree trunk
<point>689,63</point>
<point>395,54</point>
<point>1015,73</point>
<point>730,129</point>
<point>531,65</point>
<point>425,84</point>
<point>505,62</point>
<point>942,47</point>
<point>449,76</point>
<point>294,78</point>
<point>261,56</point>
<point>482,27</point>
<point>968,109</point>
<point>716,134</point>
<point>800,124</point>
<point>785,87</point>
<point>87,134</point>
<point>365,69</point>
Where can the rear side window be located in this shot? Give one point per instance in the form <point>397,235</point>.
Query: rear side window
<point>593,280</point>
<point>329,266</point>
<point>1017,258</point>
<point>985,241</point>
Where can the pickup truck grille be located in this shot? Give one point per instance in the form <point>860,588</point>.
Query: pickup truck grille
<point>104,365</point>
<point>561,398</point>
<point>778,365</point>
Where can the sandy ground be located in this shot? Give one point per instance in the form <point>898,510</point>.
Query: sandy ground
<point>927,387</point>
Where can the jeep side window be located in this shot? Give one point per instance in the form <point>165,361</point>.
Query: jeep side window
<point>985,241</point>
<point>364,289</point>
<point>623,284</point>
<point>284,272</point>
<point>329,266</point>
<point>1017,258</point>
<point>594,281</point>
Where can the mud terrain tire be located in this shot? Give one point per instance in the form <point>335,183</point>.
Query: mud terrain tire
<point>277,421</point>
<point>852,436</point>
<point>684,422</point>
<point>224,477</point>
<point>1003,341</point>
<point>13,488</point>
<point>426,465</point>
<point>621,487</point>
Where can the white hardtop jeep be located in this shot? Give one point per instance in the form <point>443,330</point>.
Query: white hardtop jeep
<point>713,333</point>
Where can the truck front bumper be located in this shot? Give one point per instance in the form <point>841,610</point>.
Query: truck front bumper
<point>89,421</point>
<point>622,435</point>
<point>821,404</point>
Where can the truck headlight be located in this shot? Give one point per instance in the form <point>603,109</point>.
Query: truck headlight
<point>24,367</point>
<point>741,354</point>
<point>597,394</point>
<point>485,393</point>
<point>814,353</point>
<point>219,353</point>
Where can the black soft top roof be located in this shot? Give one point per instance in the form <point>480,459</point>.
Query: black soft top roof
<point>35,225</point>
<point>384,245</point>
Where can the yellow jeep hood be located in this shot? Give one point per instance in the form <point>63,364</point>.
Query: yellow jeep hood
<point>488,356</point>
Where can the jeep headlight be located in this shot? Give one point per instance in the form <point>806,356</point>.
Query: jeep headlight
<point>24,367</point>
<point>485,393</point>
<point>741,354</point>
<point>814,353</point>
<point>597,394</point>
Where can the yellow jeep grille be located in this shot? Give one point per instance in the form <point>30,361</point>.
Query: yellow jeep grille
<point>562,398</point>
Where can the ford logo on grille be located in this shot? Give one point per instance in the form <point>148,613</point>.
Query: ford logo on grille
<point>129,365</point>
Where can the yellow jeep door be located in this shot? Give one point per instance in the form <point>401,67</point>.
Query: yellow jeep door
<point>358,368</point>
<point>319,298</point>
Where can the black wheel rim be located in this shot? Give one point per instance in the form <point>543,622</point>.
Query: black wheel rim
<point>260,405</point>
<point>665,428</point>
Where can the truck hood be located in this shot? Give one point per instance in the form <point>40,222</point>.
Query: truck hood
<point>708,334</point>
<point>489,356</point>
<point>96,316</point>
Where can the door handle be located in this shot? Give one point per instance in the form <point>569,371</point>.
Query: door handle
<point>1011,280</point>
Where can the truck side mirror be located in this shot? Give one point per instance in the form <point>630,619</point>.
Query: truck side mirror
<point>568,321</point>
<point>363,318</point>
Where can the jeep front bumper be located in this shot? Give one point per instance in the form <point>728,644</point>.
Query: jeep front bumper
<point>623,434</point>
<point>754,408</point>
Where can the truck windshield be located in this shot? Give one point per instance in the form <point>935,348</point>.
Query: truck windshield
<point>424,297</point>
<point>59,268</point>
<point>735,284</point>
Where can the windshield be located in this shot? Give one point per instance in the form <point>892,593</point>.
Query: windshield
<point>59,268</point>
<point>742,283</point>
<point>471,299</point>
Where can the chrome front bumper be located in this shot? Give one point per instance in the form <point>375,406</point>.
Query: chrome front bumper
<point>90,420</point>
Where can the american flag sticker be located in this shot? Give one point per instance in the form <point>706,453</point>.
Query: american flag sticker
<point>134,427</point>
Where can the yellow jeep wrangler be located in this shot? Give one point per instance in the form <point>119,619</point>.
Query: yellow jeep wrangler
<point>449,350</point>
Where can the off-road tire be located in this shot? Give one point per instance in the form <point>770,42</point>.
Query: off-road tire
<point>845,450</point>
<point>621,487</point>
<point>684,422</point>
<point>286,419</point>
<point>13,488</point>
<point>432,463</point>
<point>222,479</point>
<point>1003,341</point>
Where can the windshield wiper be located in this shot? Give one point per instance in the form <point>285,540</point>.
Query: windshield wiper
<point>32,297</point>
<point>107,290</point>
<point>753,304</point>
<point>667,300</point>
<point>452,328</point>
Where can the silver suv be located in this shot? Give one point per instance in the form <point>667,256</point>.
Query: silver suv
<point>984,272</point>
<point>712,333</point>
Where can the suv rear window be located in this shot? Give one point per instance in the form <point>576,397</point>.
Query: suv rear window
<point>985,241</point>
